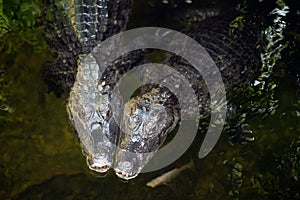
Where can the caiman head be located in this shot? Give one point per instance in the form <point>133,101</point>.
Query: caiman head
<point>90,112</point>
<point>146,121</point>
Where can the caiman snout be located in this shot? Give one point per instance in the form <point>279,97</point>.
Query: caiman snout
<point>100,165</point>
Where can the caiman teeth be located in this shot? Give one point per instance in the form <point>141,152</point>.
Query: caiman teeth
<point>99,168</point>
<point>124,175</point>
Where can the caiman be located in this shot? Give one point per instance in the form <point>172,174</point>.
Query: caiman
<point>73,28</point>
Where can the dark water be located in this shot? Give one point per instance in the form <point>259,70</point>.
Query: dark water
<point>41,157</point>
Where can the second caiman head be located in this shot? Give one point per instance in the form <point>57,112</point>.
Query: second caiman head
<point>146,121</point>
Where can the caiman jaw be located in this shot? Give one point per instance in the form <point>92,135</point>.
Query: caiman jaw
<point>100,164</point>
<point>125,175</point>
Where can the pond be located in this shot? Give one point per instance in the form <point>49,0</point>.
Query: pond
<point>41,157</point>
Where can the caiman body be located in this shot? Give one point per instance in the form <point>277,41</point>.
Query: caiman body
<point>237,56</point>
<point>75,27</point>
<point>151,115</point>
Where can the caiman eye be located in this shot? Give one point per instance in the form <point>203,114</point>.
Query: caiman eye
<point>87,112</point>
<point>150,127</point>
<point>152,131</point>
<point>104,111</point>
<point>135,122</point>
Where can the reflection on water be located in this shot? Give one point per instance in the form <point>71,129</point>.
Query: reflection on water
<point>41,157</point>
